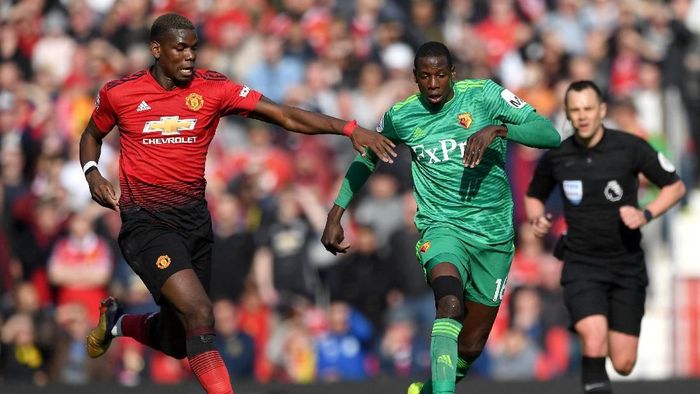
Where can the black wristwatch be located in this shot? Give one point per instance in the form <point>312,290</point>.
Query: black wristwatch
<point>648,215</point>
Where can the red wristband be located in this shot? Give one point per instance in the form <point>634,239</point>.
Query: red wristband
<point>349,128</point>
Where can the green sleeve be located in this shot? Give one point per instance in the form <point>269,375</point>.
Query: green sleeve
<point>362,167</point>
<point>525,126</point>
<point>535,131</point>
<point>356,176</point>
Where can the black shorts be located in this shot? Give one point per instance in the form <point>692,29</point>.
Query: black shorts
<point>613,287</point>
<point>155,250</point>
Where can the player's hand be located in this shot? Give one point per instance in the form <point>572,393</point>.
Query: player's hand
<point>102,190</point>
<point>541,225</point>
<point>333,237</point>
<point>381,146</point>
<point>479,142</point>
<point>632,217</point>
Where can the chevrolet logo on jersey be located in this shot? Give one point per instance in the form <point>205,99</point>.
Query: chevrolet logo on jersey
<point>169,128</point>
<point>169,125</point>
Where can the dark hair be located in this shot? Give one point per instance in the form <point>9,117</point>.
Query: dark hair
<point>433,49</point>
<point>169,22</point>
<point>578,86</point>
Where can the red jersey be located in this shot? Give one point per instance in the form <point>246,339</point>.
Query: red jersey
<point>165,134</point>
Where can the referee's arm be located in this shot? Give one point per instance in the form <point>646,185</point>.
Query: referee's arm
<point>669,196</point>
<point>541,186</point>
<point>540,222</point>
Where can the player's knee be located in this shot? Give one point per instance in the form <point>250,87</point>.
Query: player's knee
<point>594,340</point>
<point>624,365</point>
<point>449,297</point>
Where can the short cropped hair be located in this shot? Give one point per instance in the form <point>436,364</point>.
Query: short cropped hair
<point>433,49</point>
<point>578,86</point>
<point>167,22</point>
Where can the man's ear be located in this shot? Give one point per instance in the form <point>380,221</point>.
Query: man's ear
<point>453,71</point>
<point>155,49</point>
<point>415,76</point>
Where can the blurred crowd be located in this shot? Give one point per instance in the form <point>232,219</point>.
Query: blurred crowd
<point>287,310</point>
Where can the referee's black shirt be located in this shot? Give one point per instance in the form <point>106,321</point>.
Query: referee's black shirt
<point>595,183</point>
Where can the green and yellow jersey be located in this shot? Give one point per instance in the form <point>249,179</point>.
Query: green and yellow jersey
<point>475,201</point>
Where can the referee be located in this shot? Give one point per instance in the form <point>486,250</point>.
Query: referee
<point>604,275</point>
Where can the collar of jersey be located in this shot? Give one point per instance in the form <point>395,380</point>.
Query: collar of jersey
<point>153,80</point>
<point>597,146</point>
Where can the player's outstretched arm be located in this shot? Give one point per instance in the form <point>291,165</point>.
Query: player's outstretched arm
<point>535,131</point>
<point>333,234</point>
<point>306,122</point>
<point>101,189</point>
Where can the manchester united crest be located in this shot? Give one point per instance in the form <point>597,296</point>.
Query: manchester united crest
<point>465,119</point>
<point>194,101</point>
<point>163,262</point>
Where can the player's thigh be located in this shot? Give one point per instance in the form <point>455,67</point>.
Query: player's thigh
<point>488,267</point>
<point>438,246</point>
<point>200,247</point>
<point>154,253</point>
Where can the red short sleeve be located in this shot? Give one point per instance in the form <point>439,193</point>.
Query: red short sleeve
<point>239,99</point>
<point>104,115</point>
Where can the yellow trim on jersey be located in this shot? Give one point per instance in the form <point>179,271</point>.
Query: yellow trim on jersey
<point>401,104</point>
<point>463,85</point>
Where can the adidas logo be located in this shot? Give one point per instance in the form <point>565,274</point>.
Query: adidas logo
<point>418,132</point>
<point>143,107</point>
<point>445,359</point>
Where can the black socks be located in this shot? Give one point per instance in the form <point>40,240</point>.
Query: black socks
<point>594,378</point>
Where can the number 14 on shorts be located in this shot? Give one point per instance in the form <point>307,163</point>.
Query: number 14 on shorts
<point>500,289</point>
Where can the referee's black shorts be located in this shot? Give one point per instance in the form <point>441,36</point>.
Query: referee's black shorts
<point>156,250</point>
<point>613,287</point>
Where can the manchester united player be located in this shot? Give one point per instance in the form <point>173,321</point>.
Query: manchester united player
<point>166,117</point>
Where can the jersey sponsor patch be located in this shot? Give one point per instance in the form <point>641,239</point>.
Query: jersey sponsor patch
<point>666,163</point>
<point>512,100</point>
<point>97,101</point>
<point>169,125</point>
<point>244,91</point>
<point>613,191</point>
<point>573,190</point>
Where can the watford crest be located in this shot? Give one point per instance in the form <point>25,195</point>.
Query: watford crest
<point>194,101</point>
<point>465,120</point>
<point>424,248</point>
